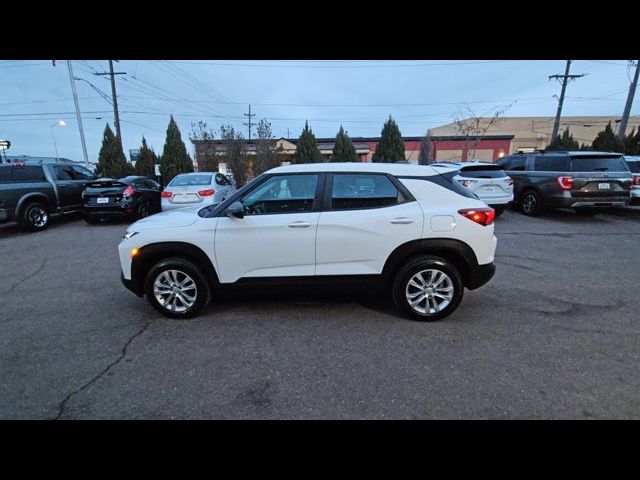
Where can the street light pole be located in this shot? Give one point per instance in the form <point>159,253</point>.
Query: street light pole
<point>60,123</point>
<point>75,100</point>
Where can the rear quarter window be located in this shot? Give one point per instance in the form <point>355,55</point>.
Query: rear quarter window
<point>633,166</point>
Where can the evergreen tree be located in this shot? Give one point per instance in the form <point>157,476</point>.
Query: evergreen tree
<point>175,159</point>
<point>608,141</point>
<point>111,160</point>
<point>307,150</point>
<point>147,159</point>
<point>343,150</point>
<point>390,149</point>
<point>585,147</point>
<point>564,143</point>
<point>632,143</point>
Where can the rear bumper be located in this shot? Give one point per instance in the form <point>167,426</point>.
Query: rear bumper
<point>480,275</point>
<point>113,211</point>
<point>566,200</point>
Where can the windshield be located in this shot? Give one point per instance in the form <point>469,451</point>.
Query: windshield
<point>188,180</point>
<point>599,164</point>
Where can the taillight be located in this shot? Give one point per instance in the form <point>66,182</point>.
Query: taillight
<point>636,180</point>
<point>206,193</point>
<point>166,194</point>
<point>128,191</point>
<point>467,183</point>
<point>509,181</point>
<point>565,183</point>
<point>482,216</point>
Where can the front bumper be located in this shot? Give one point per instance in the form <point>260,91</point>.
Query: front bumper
<point>131,286</point>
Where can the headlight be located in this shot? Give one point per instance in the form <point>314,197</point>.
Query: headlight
<point>128,235</point>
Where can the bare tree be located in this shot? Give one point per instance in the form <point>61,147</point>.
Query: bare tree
<point>206,154</point>
<point>235,153</point>
<point>473,127</point>
<point>426,155</point>
<point>267,152</point>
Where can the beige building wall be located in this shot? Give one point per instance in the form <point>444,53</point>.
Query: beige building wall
<point>535,132</point>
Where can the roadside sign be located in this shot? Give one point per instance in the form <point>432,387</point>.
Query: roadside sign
<point>157,169</point>
<point>134,154</point>
<point>5,144</point>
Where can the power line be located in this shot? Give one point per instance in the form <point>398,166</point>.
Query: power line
<point>394,65</point>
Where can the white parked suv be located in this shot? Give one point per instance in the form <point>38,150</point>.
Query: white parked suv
<point>487,180</point>
<point>405,229</point>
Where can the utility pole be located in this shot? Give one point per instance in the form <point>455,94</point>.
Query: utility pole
<point>78,116</point>
<point>564,79</point>
<point>114,97</point>
<point>288,134</point>
<point>627,107</point>
<point>249,123</point>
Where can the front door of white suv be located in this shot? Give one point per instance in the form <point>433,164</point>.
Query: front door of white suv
<point>365,217</point>
<point>277,236</point>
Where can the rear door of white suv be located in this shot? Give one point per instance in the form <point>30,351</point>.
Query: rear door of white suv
<point>365,217</point>
<point>277,236</point>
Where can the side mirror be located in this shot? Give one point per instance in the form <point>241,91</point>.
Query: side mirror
<point>235,210</point>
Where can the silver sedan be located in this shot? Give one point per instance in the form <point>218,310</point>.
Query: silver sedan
<point>201,188</point>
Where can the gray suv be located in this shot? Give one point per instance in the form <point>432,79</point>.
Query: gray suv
<point>584,181</point>
<point>32,189</point>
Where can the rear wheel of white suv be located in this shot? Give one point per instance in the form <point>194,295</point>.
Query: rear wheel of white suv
<point>427,288</point>
<point>177,288</point>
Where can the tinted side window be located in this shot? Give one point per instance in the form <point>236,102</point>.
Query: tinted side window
<point>633,166</point>
<point>27,174</point>
<point>517,164</point>
<point>64,172</point>
<point>5,174</point>
<point>354,191</point>
<point>551,163</point>
<point>222,180</point>
<point>82,173</point>
<point>282,194</point>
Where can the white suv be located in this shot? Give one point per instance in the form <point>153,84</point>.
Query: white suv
<point>407,229</point>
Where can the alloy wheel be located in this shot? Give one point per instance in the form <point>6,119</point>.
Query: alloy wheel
<point>175,290</point>
<point>429,291</point>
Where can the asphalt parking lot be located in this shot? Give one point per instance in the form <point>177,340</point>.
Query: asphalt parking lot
<point>555,334</point>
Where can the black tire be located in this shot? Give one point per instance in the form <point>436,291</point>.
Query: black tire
<point>401,288</point>
<point>184,267</point>
<point>531,203</point>
<point>499,211</point>
<point>143,210</point>
<point>34,217</point>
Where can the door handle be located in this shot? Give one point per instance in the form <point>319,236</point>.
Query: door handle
<point>299,224</point>
<point>402,221</point>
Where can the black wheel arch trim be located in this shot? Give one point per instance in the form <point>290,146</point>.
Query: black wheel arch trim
<point>455,251</point>
<point>151,254</point>
<point>28,198</point>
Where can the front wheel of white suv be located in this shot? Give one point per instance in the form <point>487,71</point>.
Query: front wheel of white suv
<point>177,288</point>
<point>427,288</point>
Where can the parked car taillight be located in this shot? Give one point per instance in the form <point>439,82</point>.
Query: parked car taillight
<point>467,183</point>
<point>206,193</point>
<point>128,191</point>
<point>636,180</point>
<point>166,194</point>
<point>482,216</point>
<point>509,181</point>
<point>565,183</point>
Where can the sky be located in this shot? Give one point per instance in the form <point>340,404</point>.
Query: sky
<point>358,94</point>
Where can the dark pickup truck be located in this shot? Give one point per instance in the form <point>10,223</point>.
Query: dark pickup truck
<point>32,190</point>
<point>584,181</point>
